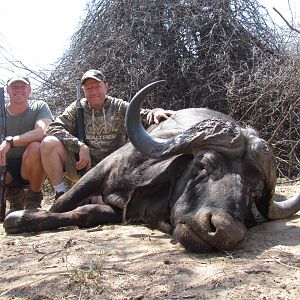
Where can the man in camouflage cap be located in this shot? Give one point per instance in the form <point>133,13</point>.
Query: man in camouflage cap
<point>104,125</point>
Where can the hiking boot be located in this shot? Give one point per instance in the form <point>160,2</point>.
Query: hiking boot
<point>33,200</point>
<point>58,194</point>
<point>15,196</point>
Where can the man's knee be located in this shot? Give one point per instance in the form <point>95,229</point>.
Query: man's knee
<point>52,147</point>
<point>33,150</point>
<point>31,160</point>
<point>50,143</point>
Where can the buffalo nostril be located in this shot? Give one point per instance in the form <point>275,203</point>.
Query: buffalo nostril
<point>206,223</point>
<point>229,228</point>
<point>212,228</point>
<point>219,227</point>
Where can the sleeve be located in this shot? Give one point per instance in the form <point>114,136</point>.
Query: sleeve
<point>44,111</point>
<point>147,115</point>
<point>64,129</point>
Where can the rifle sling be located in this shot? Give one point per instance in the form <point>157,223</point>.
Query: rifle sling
<point>80,122</point>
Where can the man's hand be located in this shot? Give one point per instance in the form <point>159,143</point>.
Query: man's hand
<point>4,148</point>
<point>84,158</point>
<point>160,114</point>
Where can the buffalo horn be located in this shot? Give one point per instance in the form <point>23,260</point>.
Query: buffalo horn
<point>136,132</point>
<point>284,209</point>
<point>215,133</point>
<point>271,209</point>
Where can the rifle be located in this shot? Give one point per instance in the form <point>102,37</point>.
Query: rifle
<point>2,168</point>
<point>79,122</point>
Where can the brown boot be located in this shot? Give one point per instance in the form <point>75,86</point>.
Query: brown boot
<point>15,196</point>
<point>33,200</point>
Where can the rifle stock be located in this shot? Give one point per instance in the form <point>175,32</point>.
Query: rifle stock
<point>2,168</point>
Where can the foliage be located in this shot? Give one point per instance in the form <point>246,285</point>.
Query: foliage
<point>225,55</point>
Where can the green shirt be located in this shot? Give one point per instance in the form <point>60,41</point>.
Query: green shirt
<point>17,125</point>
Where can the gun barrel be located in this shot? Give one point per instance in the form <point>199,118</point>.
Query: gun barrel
<point>78,85</point>
<point>2,168</point>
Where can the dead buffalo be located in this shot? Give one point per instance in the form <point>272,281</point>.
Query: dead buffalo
<point>196,177</point>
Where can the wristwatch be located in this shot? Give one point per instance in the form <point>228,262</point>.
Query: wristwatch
<point>10,140</point>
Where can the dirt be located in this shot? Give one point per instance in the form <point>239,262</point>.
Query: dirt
<point>134,262</point>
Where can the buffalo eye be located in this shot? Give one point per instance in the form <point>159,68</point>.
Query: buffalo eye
<point>210,162</point>
<point>205,164</point>
<point>198,169</point>
<point>198,163</point>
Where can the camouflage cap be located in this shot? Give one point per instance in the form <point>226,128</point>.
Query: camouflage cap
<point>17,77</point>
<point>93,74</point>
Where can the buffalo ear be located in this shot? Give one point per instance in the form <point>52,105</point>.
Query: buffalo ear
<point>149,202</point>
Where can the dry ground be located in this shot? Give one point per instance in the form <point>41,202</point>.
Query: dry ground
<point>134,262</point>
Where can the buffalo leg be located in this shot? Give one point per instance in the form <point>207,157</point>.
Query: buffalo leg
<point>83,216</point>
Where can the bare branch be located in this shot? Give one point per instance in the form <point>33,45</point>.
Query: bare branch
<point>286,22</point>
<point>217,54</point>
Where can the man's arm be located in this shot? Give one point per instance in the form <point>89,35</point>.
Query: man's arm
<point>35,135</point>
<point>64,128</point>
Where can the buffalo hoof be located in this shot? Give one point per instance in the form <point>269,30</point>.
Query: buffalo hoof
<point>24,220</point>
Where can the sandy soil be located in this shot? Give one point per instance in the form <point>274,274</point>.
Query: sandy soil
<point>134,262</point>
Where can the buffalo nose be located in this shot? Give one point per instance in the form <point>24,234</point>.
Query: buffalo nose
<point>220,229</point>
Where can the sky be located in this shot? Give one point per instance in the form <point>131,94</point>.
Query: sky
<point>290,9</point>
<point>37,32</point>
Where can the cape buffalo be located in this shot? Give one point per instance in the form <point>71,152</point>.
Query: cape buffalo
<point>195,176</point>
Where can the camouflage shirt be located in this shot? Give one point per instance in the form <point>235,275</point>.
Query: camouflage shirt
<point>104,129</point>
